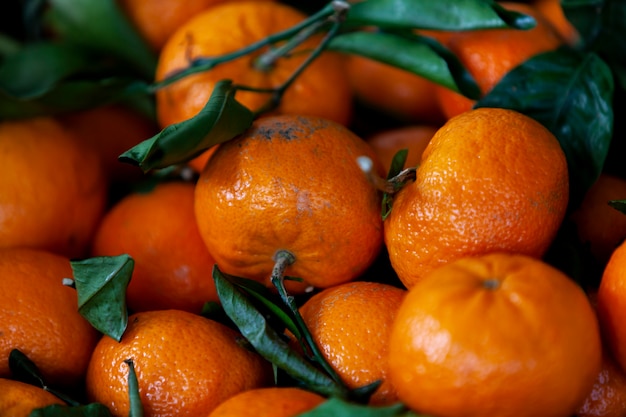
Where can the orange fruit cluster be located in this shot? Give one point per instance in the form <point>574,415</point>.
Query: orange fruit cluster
<point>448,304</point>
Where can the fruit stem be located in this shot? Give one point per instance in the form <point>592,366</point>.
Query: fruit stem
<point>340,9</point>
<point>207,63</point>
<point>284,258</point>
<point>388,186</point>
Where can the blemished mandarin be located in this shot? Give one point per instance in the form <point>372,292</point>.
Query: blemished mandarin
<point>157,20</point>
<point>39,316</point>
<point>158,229</point>
<point>53,189</point>
<point>495,335</point>
<point>599,225</point>
<point>321,90</point>
<point>291,184</point>
<point>490,54</point>
<point>489,180</point>
<point>611,304</point>
<point>186,365</point>
<point>268,402</point>
<point>351,324</point>
<point>413,138</point>
<point>18,399</point>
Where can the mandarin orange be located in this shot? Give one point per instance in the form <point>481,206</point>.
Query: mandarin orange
<point>53,191</point>
<point>500,335</point>
<point>351,324</point>
<point>291,184</point>
<point>186,365</point>
<point>18,399</point>
<point>321,90</point>
<point>489,180</point>
<point>268,402</point>
<point>158,229</point>
<point>39,316</point>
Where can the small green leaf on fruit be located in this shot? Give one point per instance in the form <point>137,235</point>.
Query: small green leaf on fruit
<point>221,119</point>
<point>101,284</point>
<point>136,409</point>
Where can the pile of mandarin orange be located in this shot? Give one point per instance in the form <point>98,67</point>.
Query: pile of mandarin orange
<point>447,302</point>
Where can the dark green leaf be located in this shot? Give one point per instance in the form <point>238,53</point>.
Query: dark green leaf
<point>601,25</point>
<point>418,54</point>
<point>38,67</point>
<point>221,119</point>
<point>440,14</point>
<point>101,286</point>
<point>263,295</point>
<point>267,342</point>
<point>101,25</point>
<point>571,94</point>
<point>91,410</point>
<point>24,370</point>
<point>619,205</point>
<point>337,407</point>
<point>66,97</point>
<point>136,409</point>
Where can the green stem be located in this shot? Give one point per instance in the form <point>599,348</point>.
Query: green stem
<point>277,93</point>
<point>283,259</point>
<point>205,64</point>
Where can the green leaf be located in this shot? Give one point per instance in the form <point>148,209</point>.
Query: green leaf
<point>101,25</point>
<point>25,370</point>
<point>90,410</point>
<point>571,94</point>
<point>101,286</point>
<point>440,14</point>
<point>66,97</point>
<point>267,342</point>
<point>619,205</point>
<point>601,25</point>
<point>418,54</point>
<point>337,407</point>
<point>221,119</point>
<point>38,67</point>
<point>262,294</point>
<point>136,408</point>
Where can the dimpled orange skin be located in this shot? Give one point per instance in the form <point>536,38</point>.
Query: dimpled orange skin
<point>351,324</point>
<point>490,54</point>
<point>498,335</point>
<point>489,180</point>
<point>158,229</point>
<point>321,90</point>
<point>185,365</point>
<point>52,190</point>
<point>39,316</point>
<point>157,20</point>
<point>268,402</point>
<point>611,306</point>
<point>18,399</point>
<point>291,183</point>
